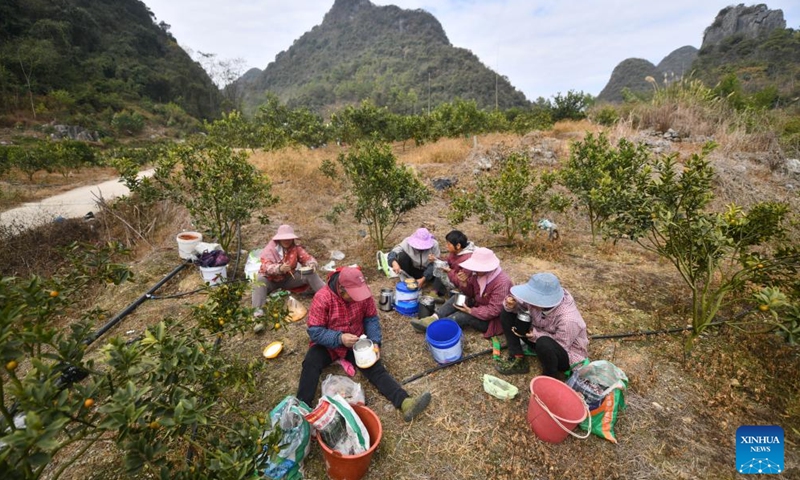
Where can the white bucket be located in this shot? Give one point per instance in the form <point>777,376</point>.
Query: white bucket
<point>214,275</point>
<point>187,241</point>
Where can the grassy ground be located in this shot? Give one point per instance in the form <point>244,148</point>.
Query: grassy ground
<point>683,410</point>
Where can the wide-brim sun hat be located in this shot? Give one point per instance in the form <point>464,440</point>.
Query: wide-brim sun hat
<point>285,232</point>
<point>354,284</point>
<point>482,260</point>
<point>542,290</point>
<point>421,239</point>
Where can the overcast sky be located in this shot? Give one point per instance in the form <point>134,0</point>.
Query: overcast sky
<point>543,47</point>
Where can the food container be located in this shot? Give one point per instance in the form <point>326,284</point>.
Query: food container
<point>365,352</point>
<point>304,271</point>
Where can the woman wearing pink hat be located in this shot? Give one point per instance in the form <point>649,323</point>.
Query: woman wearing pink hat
<point>415,256</point>
<point>485,285</point>
<point>279,260</point>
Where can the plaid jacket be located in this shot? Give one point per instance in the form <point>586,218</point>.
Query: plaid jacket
<point>330,316</point>
<point>564,324</point>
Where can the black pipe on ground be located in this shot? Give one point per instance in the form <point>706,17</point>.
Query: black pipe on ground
<point>130,308</point>
<point>593,337</point>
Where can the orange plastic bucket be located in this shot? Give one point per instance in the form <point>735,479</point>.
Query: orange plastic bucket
<point>554,409</point>
<point>353,467</point>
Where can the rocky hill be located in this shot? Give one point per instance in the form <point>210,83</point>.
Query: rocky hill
<point>747,22</point>
<point>754,45</point>
<point>631,73</point>
<point>752,42</point>
<point>82,59</point>
<point>398,58</point>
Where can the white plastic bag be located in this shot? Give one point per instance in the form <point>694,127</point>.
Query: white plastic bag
<point>339,426</point>
<point>345,387</point>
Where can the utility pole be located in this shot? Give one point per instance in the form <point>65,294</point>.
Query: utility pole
<point>429,93</point>
<point>495,91</point>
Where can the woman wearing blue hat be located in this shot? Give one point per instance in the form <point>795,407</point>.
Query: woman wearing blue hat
<point>554,327</point>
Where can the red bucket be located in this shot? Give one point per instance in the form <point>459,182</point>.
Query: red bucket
<point>554,409</point>
<point>353,467</point>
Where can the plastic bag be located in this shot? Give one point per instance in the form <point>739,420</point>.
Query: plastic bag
<point>339,426</point>
<point>214,258</point>
<point>499,388</point>
<point>603,385</point>
<point>345,387</point>
<point>296,309</point>
<point>294,445</point>
<point>253,265</point>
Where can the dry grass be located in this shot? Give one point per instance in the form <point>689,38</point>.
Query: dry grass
<point>682,413</point>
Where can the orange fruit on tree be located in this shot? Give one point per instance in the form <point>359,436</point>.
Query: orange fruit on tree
<point>12,365</point>
<point>54,293</point>
<point>763,308</point>
<point>88,403</point>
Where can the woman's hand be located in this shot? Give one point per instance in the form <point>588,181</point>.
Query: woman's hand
<point>313,265</point>
<point>396,266</point>
<point>446,268</point>
<point>431,257</point>
<point>462,276</point>
<point>348,340</point>
<point>284,268</point>
<point>464,309</point>
<point>510,303</point>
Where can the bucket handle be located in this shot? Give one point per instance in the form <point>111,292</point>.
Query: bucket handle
<point>558,419</point>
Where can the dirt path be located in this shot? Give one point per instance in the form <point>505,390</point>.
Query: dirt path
<point>72,204</point>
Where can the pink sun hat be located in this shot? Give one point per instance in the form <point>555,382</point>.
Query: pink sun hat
<point>421,239</point>
<point>354,284</point>
<point>482,260</point>
<point>285,232</point>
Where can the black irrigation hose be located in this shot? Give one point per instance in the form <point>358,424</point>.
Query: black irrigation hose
<point>593,337</point>
<point>130,308</point>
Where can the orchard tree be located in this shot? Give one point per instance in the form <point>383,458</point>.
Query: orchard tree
<point>604,179</point>
<point>380,190</point>
<point>719,255</point>
<point>509,198</point>
<point>217,185</point>
<point>152,398</point>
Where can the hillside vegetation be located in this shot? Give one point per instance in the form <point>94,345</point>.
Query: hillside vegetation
<point>397,58</point>
<point>89,62</point>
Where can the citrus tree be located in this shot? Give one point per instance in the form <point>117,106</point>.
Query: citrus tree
<point>170,390</point>
<point>379,189</point>
<point>509,198</point>
<point>601,176</point>
<point>718,254</point>
<point>216,184</point>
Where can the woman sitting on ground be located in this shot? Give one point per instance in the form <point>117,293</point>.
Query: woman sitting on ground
<point>460,249</point>
<point>279,260</point>
<point>485,285</point>
<point>555,329</point>
<point>414,255</point>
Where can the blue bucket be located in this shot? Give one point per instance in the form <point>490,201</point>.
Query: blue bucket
<point>406,301</point>
<point>444,340</point>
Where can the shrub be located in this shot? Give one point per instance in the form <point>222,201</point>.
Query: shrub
<point>127,123</point>
<point>508,199</point>
<point>380,190</point>
<point>604,178</point>
<point>717,254</point>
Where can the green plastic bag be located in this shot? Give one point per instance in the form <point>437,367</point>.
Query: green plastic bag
<point>603,387</point>
<point>294,445</point>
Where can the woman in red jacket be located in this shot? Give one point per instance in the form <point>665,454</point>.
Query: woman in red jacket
<point>279,261</point>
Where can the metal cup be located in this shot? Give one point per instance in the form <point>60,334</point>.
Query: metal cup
<point>523,324</point>
<point>386,302</point>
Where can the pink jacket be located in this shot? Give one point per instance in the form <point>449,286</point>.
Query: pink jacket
<point>271,260</point>
<point>489,305</point>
